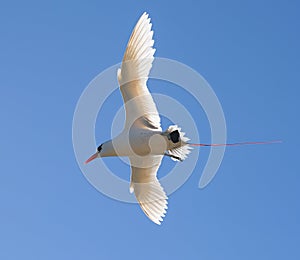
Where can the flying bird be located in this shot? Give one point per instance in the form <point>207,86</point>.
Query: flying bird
<point>142,139</point>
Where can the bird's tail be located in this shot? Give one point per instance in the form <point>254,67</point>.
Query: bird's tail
<point>179,147</point>
<point>240,143</point>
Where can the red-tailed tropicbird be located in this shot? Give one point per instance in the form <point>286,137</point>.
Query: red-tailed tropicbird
<point>142,138</point>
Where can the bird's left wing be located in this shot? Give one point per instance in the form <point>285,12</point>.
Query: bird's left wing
<point>147,189</point>
<point>133,77</point>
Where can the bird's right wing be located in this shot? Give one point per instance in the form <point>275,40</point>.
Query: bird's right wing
<point>133,76</point>
<point>147,189</point>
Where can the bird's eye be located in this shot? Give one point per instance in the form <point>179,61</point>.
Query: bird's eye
<point>99,148</point>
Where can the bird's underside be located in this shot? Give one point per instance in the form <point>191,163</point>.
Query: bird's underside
<point>142,139</point>
<point>147,141</point>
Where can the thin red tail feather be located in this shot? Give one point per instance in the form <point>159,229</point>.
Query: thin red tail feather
<point>236,144</point>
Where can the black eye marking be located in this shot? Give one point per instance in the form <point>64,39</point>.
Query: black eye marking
<point>99,148</point>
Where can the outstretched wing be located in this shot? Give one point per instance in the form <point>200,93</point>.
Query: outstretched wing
<point>146,187</point>
<point>133,77</point>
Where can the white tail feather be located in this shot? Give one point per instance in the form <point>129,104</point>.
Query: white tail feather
<point>182,149</point>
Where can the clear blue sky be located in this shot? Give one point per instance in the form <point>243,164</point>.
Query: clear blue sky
<point>249,53</point>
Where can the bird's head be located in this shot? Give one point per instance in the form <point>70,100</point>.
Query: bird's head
<point>95,155</point>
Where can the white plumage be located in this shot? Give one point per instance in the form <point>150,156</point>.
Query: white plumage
<point>132,77</point>
<point>142,139</point>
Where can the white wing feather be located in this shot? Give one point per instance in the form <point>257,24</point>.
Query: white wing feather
<point>141,111</point>
<point>134,73</point>
<point>147,189</point>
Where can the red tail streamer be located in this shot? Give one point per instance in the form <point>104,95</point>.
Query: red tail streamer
<point>236,144</point>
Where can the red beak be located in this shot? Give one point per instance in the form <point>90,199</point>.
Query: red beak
<point>94,156</point>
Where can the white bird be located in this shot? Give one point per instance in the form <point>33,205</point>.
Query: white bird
<point>142,138</point>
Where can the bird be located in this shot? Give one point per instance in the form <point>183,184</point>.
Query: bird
<point>142,139</point>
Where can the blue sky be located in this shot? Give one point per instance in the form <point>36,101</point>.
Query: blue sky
<point>249,53</point>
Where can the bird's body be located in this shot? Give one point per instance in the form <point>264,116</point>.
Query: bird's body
<point>142,142</point>
<point>142,138</point>
<point>134,142</point>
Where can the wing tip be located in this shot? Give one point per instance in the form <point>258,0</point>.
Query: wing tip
<point>157,218</point>
<point>145,17</point>
<point>145,14</point>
